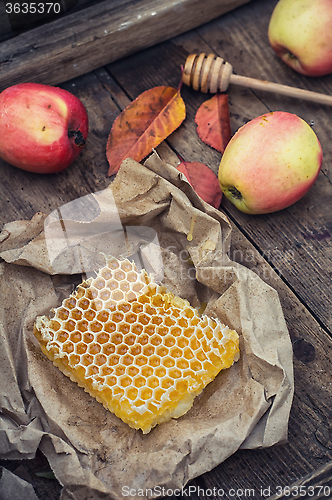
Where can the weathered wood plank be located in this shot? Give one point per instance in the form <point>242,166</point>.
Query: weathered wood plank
<point>246,469</point>
<point>309,445</point>
<point>297,240</point>
<point>16,17</point>
<point>80,42</point>
<point>314,486</point>
<point>22,194</point>
<point>25,193</point>
<point>5,28</point>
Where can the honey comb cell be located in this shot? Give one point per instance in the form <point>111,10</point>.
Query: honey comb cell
<point>142,352</point>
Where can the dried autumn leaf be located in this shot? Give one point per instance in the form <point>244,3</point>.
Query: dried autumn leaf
<point>203,180</point>
<point>213,122</point>
<point>144,124</point>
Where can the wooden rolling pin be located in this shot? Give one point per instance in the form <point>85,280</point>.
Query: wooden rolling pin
<point>213,74</point>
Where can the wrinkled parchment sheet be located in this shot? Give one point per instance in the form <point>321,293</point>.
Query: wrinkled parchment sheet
<point>92,452</point>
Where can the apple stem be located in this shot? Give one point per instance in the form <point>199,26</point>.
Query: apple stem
<point>78,137</point>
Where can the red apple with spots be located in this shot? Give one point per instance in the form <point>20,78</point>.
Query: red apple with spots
<point>300,32</point>
<point>270,163</point>
<point>42,128</point>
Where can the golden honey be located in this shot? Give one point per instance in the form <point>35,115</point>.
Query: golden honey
<point>139,350</point>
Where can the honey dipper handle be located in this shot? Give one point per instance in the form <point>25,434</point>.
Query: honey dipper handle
<point>212,74</point>
<point>277,88</point>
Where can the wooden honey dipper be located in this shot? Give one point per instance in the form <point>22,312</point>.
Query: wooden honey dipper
<point>212,74</point>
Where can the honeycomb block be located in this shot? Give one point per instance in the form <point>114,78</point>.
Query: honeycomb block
<point>139,350</point>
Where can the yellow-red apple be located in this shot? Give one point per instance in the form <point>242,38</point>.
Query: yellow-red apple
<point>270,163</point>
<point>42,128</point>
<point>300,32</point>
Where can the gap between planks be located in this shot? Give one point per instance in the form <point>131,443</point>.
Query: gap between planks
<point>120,97</point>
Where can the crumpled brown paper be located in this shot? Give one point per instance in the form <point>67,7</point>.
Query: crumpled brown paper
<point>90,450</point>
<point>13,487</point>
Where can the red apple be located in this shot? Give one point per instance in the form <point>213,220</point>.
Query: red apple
<point>42,128</point>
<point>300,32</point>
<point>270,163</point>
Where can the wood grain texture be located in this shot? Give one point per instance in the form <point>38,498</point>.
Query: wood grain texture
<point>314,486</point>
<point>14,20</point>
<point>25,193</point>
<point>97,35</point>
<point>309,436</point>
<point>297,240</point>
<point>302,262</point>
<point>309,442</point>
<point>5,28</point>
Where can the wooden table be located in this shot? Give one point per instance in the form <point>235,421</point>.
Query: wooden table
<point>290,249</point>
